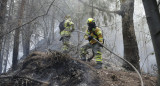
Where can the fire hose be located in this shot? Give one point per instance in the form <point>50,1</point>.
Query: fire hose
<point>118,57</point>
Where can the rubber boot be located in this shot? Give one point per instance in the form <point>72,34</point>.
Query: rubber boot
<point>98,65</point>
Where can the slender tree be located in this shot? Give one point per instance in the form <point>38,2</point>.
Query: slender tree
<point>51,34</point>
<point>27,31</point>
<point>3,4</point>
<point>16,36</point>
<point>153,20</point>
<point>8,36</point>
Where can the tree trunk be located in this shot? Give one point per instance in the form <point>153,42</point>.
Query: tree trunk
<point>131,52</point>
<point>153,20</point>
<point>16,37</point>
<point>27,32</point>
<point>3,51</point>
<point>51,34</point>
<point>26,35</point>
<point>7,52</point>
<point>3,5</point>
<point>8,36</point>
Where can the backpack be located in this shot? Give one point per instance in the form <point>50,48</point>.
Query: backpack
<point>61,26</point>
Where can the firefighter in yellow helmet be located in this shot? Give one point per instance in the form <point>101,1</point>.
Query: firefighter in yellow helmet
<point>93,32</point>
<point>66,28</point>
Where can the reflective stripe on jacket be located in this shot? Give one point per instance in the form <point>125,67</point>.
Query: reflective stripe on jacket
<point>97,35</point>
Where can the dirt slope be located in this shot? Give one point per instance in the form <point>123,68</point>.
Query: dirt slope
<point>56,69</point>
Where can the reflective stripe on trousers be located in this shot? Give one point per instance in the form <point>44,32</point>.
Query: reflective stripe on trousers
<point>66,43</point>
<point>98,56</point>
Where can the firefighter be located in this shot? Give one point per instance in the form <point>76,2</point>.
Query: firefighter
<point>93,32</point>
<point>66,28</point>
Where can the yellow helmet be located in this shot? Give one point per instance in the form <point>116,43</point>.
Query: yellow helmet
<point>90,20</point>
<point>91,23</point>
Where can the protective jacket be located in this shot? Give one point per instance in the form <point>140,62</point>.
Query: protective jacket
<point>95,33</point>
<point>69,27</point>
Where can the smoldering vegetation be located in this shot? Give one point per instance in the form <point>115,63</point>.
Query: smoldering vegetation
<point>50,69</point>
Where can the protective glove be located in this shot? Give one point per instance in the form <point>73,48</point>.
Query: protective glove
<point>90,38</point>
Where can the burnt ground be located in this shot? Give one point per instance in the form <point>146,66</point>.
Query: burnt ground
<point>57,69</point>
<point>121,78</point>
<point>110,77</point>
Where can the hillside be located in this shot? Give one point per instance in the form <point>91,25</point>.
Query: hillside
<point>53,68</point>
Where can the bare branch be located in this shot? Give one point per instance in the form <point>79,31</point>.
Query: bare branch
<point>30,20</point>
<point>60,9</point>
<point>101,9</point>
